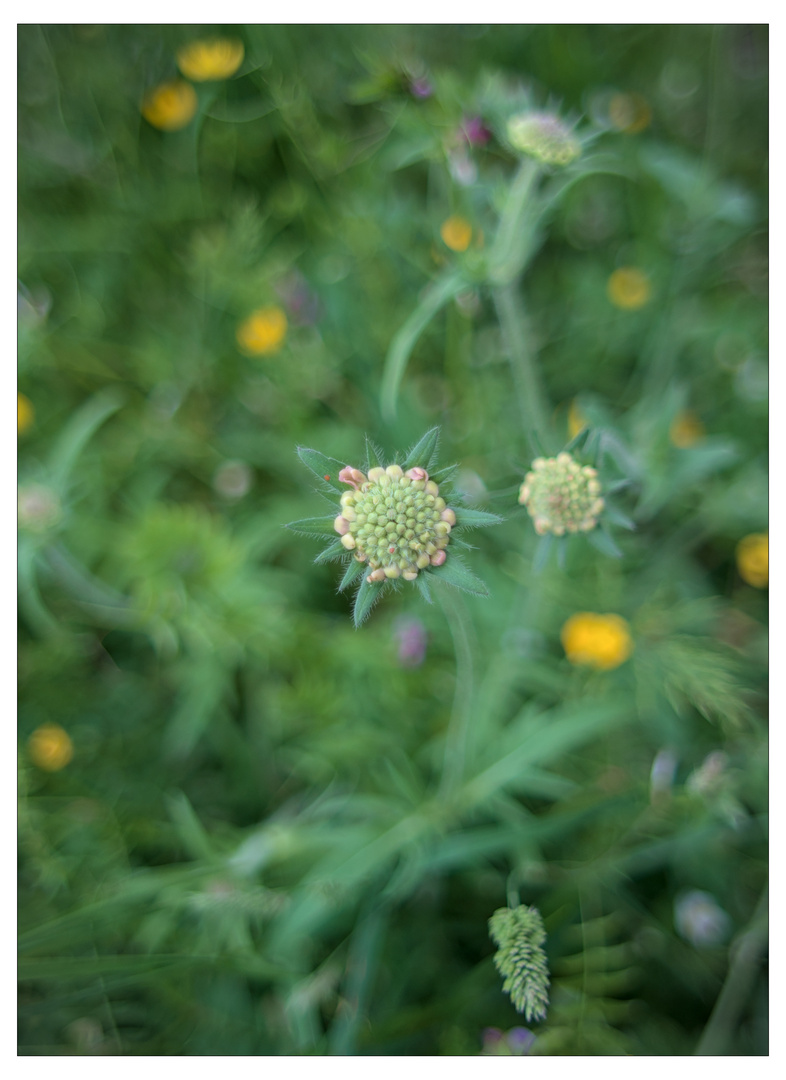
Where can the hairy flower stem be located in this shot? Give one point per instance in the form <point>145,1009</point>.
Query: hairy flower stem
<point>745,958</point>
<point>526,378</point>
<point>460,628</point>
<point>515,234</point>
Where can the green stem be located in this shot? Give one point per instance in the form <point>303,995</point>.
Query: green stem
<point>516,229</point>
<point>460,628</point>
<point>746,953</point>
<point>440,292</point>
<point>526,378</point>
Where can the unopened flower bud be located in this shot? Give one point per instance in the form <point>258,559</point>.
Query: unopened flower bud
<point>374,475</point>
<point>395,472</point>
<point>561,496</point>
<point>348,540</point>
<point>544,137</point>
<point>417,473</point>
<point>341,525</point>
<point>352,476</point>
<point>438,558</point>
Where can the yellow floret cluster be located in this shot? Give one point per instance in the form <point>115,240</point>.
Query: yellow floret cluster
<point>600,641</point>
<point>394,521</point>
<point>562,496</point>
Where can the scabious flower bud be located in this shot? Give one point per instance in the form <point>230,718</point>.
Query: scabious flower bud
<point>544,137</point>
<point>561,496</point>
<point>394,521</point>
<point>352,476</point>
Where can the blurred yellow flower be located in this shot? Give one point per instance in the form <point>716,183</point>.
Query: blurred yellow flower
<point>686,429</point>
<point>170,106</point>
<point>628,288</point>
<point>263,331</point>
<point>50,748</point>
<point>753,559</point>
<point>25,413</point>
<point>630,113</point>
<point>456,233</point>
<point>576,419</point>
<point>601,641</point>
<point>217,58</point>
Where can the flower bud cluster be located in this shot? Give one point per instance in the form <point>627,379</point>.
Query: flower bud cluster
<point>395,521</point>
<point>544,137</point>
<point>562,496</point>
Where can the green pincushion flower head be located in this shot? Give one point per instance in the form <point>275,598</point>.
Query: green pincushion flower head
<point>562,496</point>
<point>395,523</point>
<point>543,136</point>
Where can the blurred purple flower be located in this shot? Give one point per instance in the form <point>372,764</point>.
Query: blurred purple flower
<point>514,1043</point>
<point>421,87</point>
<point>412,640</point>
<point>301,302</point>
<point>475,131</point>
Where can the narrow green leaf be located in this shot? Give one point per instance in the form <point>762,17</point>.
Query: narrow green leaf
<point>442,290</point>
<point>331,553</point>
<point>367,596</point>
<point>601,540</point>
<point>617,516</point>
<point>454,572</point>
<point>562,551</point>
<point>316,526</point>
<point>352,573</point>
<point>475,519</point>
<point>424,451</point>
<point>441,476</point>
<point>422,583</point>
<point>374,456</point>
<point>578,440</point>
<point>326,469</point>
<point>79,430</point>
<point>542,553</point>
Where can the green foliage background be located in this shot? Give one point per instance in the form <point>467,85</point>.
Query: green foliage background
<point>254,850</point>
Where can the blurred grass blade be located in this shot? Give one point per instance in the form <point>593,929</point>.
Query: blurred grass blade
<point>443,290</point>
<point>79,430</point>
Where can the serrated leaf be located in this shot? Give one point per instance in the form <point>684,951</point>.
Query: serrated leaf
<point>423,453</point>
<point>475,519</point>
<point>352,573</point>
<point>422,583</point>
<point>365,598</point>
<point>322,467</point>
<point>316,526</point>
<point>331,553</point>
<point>601,540</point>
<point>454,572</point>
